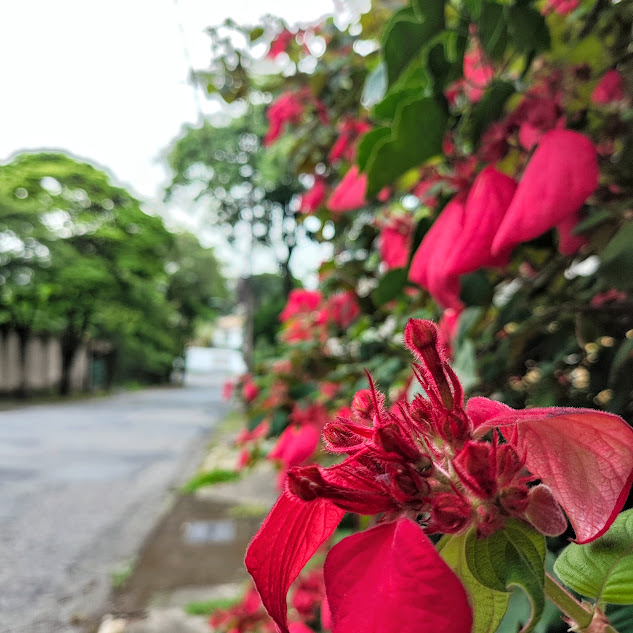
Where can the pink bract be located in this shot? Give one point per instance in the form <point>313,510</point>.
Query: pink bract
<point>350,193</point>
<point>425,462</point>
<point>411,589</point>
<point>561,175</point>
<point>609,88</point>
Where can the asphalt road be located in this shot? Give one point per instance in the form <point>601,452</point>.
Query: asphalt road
<point>81,485</point>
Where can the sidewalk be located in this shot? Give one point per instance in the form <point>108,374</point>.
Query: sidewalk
<point>195,554</point>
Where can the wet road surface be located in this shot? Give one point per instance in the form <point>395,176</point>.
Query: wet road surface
<point>81,485</point>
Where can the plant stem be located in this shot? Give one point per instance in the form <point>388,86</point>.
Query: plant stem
<point>572,608</point>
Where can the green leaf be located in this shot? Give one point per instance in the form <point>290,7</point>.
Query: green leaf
<point>408,32</point>
<point>512,556</point>
<point>388,107</point>
<point>476,289</point>
<point>528,29</point>
<point>489,108</point>
<point>279,422</point>
<point>375,86</point>
<point>489,605</point>
<point>390,286</point>
<point>602,569</point>
<point>368,142</point>
<point>621,618</point>
<point>592,220</point>
<point>493,29</point>
<point>256,33</point>
<point>417,135</point>
<point>209,478</point>
<point>465,364</point>
<point>617,259</point>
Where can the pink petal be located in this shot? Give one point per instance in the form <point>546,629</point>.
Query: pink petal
<point>326,615</point>
<point>568,243</point>
<point>544,513</point>
<point>561,175</point>
<point>427,265</point>
<point>390,579</point>
<point>584,456</point>
<point>609,88</point>
<point>349,194</point>
<point>486,205</point>
<point>299,627</point>
<point>286,541</point>
<point>303,443</point>
<point>481,410</point>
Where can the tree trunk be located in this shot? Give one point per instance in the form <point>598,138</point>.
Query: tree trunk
<point>68,355</point>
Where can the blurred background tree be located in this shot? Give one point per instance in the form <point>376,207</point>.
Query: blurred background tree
<point>81,259</point>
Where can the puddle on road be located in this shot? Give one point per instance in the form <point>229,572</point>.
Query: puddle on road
<point>197,543</point>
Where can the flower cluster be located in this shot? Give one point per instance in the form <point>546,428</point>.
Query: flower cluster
<point>435,464</point>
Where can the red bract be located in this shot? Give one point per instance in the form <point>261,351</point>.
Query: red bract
<point>609,88</point>
<point>561,175</point>
<point>426,462</point>
<point>300,301</point>
<point>562,7</point>
<point>302,528</point>
<point>280,44</point>
<point>349,133</point>
<point>394,241</point>
<point>460,240</point>
<point>391,579</point>
<point>448,327</point>
<point>288,108</point>
<point>584,456</point>
<point>427,265</point>
<point>342,309</point>
<point>312,199</point>
<point>478,73</point>
<point>350,193</point>
<point>250,390</point>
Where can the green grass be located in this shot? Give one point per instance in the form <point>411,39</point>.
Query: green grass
<point>121,574</point>
<point>207,607</point>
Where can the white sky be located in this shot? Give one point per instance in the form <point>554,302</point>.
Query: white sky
<point>107,80</point>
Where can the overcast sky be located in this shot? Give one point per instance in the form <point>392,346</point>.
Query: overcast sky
<point>107,81</point>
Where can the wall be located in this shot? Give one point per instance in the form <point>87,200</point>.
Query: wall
<point>43,365</point>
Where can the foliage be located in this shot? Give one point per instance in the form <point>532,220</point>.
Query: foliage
<point>81,259</point>
<point>466,162</point>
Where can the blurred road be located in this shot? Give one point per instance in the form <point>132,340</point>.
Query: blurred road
<point>81,485</point>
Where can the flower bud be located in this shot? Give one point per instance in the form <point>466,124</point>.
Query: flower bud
<point>450,513</point>
<point>363,405</point>
<point>475,468</point>
<point>390,439</point>
<point>305,482</point>
<point>514,499</point>
<point>508,464</point>
<point>544,513</point>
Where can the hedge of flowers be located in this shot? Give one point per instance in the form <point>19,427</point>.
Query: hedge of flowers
<point>457,391</point>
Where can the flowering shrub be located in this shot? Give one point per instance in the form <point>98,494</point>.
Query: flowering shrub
<point>427,464</point>
<point>467,163</point>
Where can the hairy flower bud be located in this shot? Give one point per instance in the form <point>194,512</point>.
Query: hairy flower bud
<point>514,499</point>
<point>509,464</point>
<point>305,482</point>
<point>363,405</point>
<point>450,513</point>
<point>392,440</point>
<point>476,469</point>
<point>544,513</point>
<point>343,436</point>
